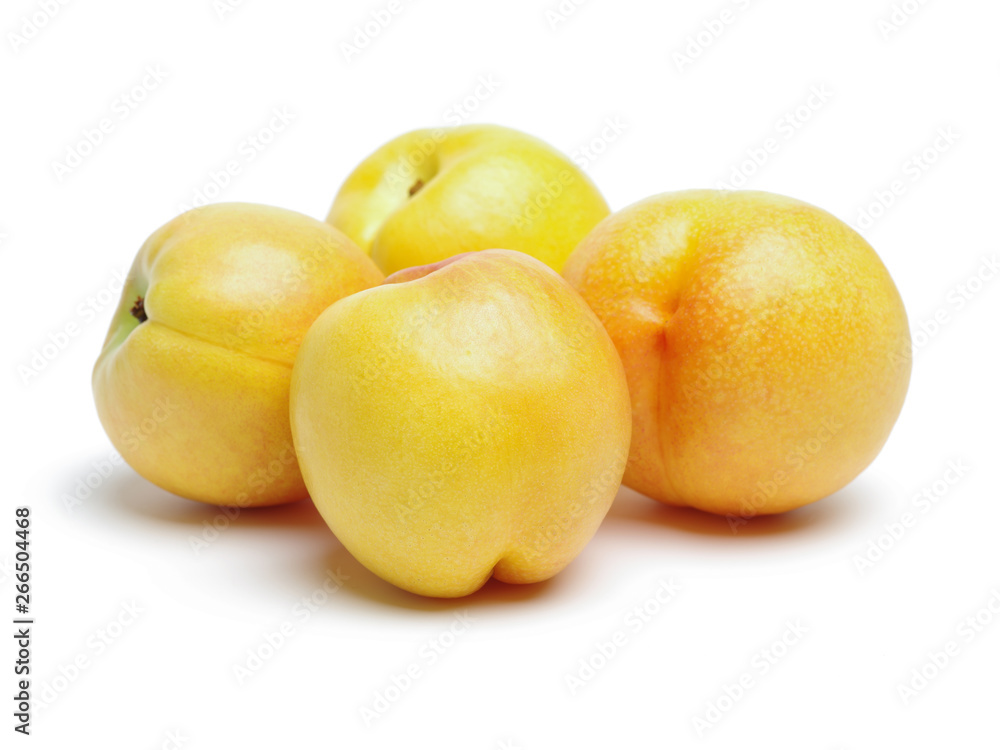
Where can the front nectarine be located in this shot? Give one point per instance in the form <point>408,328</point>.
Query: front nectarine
<point>463,420</point>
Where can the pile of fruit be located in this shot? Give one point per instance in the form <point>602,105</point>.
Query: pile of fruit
<point>474,413</point>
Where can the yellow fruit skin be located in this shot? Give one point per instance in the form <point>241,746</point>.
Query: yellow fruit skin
<point>196,397</point>
<point>766,347</point>
<point>483,186</point>
<point>460,422</point>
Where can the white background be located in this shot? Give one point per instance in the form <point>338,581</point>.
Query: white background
<point>167,677</point>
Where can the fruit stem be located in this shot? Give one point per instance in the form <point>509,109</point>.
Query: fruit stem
<point>138,311</point>
<point>415,187</point>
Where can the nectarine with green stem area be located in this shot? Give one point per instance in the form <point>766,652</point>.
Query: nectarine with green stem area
<point>192,383</point>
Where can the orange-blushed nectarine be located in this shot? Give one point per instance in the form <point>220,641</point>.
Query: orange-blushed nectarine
<point>766,347</point>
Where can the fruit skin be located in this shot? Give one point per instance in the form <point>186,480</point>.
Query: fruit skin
<point>464,419</point>
<point>196,397</point>
<point>477,187</point>
<point>766,347</point>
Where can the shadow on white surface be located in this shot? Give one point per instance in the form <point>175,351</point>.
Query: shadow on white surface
<point>131,495</point>
<point>842,509</point>
<point>639,530</point>
<point>246,562</point>
<point>301,546</point>
<point>364,584</point>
